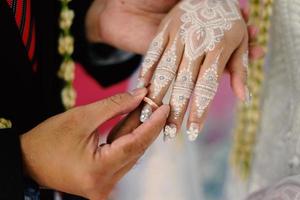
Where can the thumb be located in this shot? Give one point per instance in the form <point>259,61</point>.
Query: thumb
<point>101,111</point>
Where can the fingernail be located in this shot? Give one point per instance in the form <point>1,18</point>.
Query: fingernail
<point>193,131</point>
<point>140,83</point>
<point>146,113</point>
<point>170,131</point>
<point>248,96</point>
<point>138,92</point>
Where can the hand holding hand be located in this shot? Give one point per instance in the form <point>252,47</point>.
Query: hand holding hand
<point>194,44</point>
<point>63,152</point>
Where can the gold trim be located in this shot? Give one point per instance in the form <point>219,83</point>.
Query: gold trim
<point>5,123</point>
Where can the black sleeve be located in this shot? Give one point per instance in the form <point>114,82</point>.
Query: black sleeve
<point>105,63</point>
<point>11,173</point>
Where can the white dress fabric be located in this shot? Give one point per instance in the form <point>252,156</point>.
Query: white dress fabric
<point>276,168</point>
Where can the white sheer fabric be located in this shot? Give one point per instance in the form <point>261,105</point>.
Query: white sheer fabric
<point>277,154</point>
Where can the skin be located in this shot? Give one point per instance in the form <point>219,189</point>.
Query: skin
<point>105,23</point>
<point>63,152</point>
<point>121,23</point>
<point>231,48</point>
<point>106,16</point>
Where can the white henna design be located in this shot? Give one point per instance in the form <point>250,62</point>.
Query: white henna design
<point>182,91</point>
<point>165,71</point>
<point>204,23</point>
<point>206,87</point>
<point>146,113</point>
<point>170,132</point>
<point>193,131</point>
<point>154,52</point>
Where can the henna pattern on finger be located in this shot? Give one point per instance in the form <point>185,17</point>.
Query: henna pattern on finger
<point>182,91</point>
<point>165,71</point>
<point>181,94</point>
<point>154,52</point>
<point>193,131</point>
<point>164,74</point>
<point>146,113</point>
<point>206,87</point>
<point>170,132</point>
<point>204,23</point>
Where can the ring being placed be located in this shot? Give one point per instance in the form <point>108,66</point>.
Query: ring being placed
<point>150,102</point>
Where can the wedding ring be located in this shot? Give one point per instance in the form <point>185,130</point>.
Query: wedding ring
<point>150,102</point>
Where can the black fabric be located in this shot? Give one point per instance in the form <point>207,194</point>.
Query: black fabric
<point>85,52</point>
<point>11,183</point>
<point>26,97</point>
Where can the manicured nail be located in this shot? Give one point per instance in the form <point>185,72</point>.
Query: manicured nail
<point>138,92</point>
<point>146,113</point>
<point>248,96</point>
<point>140,83</point>
<point>170,132</point>
<point>193,131</point>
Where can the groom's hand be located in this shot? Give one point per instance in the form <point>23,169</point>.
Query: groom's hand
<point>63,152</point>
<point>126,24</point>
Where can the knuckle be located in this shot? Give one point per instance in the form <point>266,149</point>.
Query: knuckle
<point>141,147</point>
<point>73,120</point>
<point>117,100</point>
<point>136,148</point>
<point>73,117</point>
<point>235,36</point>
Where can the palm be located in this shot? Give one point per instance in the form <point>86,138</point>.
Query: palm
<point>132,24</point>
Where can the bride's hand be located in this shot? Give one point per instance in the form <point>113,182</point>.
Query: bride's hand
<point>195,42</point>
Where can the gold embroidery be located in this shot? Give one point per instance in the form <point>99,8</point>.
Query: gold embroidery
<point>4,123</point>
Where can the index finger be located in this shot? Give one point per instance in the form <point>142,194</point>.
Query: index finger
<point>132,146</point>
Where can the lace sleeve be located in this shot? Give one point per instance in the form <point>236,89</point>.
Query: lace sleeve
<point>287,189</point>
